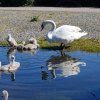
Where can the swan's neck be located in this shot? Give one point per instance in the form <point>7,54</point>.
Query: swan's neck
<point>49,36</point>
<point>9,36</point>
<point>53,26</point>
<point>35,42</point>
<point>12,63</point>
<point>0,63</point>
<point>6,98</point>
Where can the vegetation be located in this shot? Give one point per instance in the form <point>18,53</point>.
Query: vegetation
<point>34,19</point>
<point>90,45</point>
<point>64,3</point>
<point>4,43</point>
<point>45,2</point>
<point>12,2</point>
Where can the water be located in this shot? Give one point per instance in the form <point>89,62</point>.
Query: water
<point>46,75</point>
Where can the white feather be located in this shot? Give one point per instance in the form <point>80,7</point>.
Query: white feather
<point>63,34</point>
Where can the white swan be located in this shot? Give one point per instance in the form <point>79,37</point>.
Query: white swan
<point>13,66</point>
<point>5,94</point>
<point>64,34</point>
<point>11,40</point>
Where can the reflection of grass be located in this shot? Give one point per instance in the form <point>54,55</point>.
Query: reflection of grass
<point>90,45</point>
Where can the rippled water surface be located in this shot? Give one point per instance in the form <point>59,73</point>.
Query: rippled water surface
<point>46,75</point>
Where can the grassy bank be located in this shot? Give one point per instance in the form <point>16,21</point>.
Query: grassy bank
<point>89,45</point>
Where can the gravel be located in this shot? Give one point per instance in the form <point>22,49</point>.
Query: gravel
<point>17,22</point>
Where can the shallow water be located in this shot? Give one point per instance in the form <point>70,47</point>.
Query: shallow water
<point>46,75</point>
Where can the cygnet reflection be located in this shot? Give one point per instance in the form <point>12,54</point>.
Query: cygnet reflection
<point>12,51</point>
<point>11,73</point>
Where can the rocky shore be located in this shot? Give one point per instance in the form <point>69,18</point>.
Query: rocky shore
<point>18,22</point>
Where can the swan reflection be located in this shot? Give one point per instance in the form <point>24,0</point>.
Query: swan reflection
<point>64,66</point>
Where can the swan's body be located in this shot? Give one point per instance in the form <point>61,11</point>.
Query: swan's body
<point>11,40</point>
<point>64,34</point>
<point>13,66</point>
<point>5,94</point>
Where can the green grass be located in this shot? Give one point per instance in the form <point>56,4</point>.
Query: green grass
<point>34,19</point>
<point>4,43</point>
<point>44,44</point>
<point>89,45</point>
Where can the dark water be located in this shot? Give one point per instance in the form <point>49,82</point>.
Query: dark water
<point>46,75</point>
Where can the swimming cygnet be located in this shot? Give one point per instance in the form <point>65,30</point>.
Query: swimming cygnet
<point>5,94</point>
<point>13,66</point>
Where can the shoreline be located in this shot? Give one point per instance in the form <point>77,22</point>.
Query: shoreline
<point>77,9</point>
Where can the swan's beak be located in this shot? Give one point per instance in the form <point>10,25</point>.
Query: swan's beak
<point>42,27</point>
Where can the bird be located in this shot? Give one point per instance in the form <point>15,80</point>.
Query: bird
<point>31,45</point>
<point>13,66</point>
<point>20,47</point>
<point>64,34</point>
<point>5,94</point>
<point>11,41</point>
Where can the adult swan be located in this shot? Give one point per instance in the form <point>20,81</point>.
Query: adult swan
<point>64,34</point>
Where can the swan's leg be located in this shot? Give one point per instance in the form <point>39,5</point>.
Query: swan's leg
<point>62,53</point>
<point>62,46</point>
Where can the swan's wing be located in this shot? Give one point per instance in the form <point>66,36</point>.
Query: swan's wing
<point>67,36</point>
<point>68,28</point>
<point>5,67</point>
